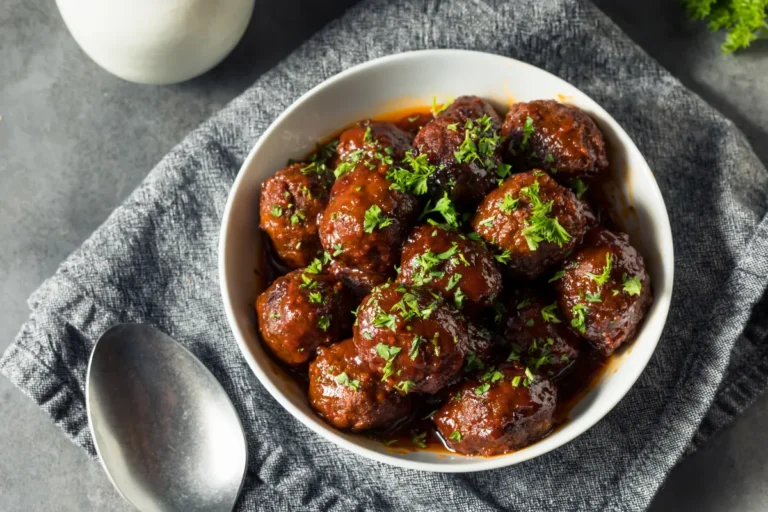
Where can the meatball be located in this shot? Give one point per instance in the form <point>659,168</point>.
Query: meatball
<point>559,138</point>
<point>415,341</point>
<point>481,347</point>
<point>291,201</point>
<point>605,290</point>
<point>375,142</point>
<point>471,107</point>
<point>448,262</point>
<point>466,172</point>
<point>504,409</point>
<point>534,328</point>
<point>532,222</point>
<point>364,225</point>
<point>301,311</point>
<point>348,395</point>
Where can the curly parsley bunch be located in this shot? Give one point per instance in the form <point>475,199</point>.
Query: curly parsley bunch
<point>744,20</point>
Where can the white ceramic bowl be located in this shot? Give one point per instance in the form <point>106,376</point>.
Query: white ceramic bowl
<point>408,80</point>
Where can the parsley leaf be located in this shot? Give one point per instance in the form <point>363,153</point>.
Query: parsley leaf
<point>632,286</point>
<point>413,176</point>
<point>549,313</point>
<point>558,275</point>
<point>579,320</point>
<point>276,211</point>
<point>540,227</point>
<point>455,436</point>
<point>324,323</point>
<point>374,218</point>
<point>445,208</point>
<point>404,386</point>
<point>315,267</point>
<point>344,380</point>
<point>528,130</point>
<point>603,277</point>
<point>508,204</point>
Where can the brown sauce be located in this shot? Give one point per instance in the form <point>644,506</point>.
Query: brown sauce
<point>417,432</point>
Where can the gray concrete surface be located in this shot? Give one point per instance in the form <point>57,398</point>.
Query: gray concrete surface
<point>74,141</point>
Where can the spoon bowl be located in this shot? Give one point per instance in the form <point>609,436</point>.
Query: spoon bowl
<point>165,430</point>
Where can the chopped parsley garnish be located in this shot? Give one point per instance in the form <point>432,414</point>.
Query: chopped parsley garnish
<point>337,250</point>
<point>549,313</point>
<point>307,282</point>
<point>374,218</point>
<point>529,377</point>
<point>487,222</point>
<point>550,158</point>
<point>344,380</point>
<point>315,267</point>
<point>509,204</point>
<point>632,286</point>
<point>516,380</point>
<point>430,415</point>
<point>579,188</point>
<point>387,351</point>
<point>385,320</point>
<point>540,227</point>
<point>458,298</point>
<point>528,130</point>
<point>504,257</point>
<point>558,275</point>
<point>499,310</point>
<point>277,211</point>
<point>315,298</point>
<point>603,277</point>
<point>274,314</point>
<point>349,162</point>
<point>473,363</point>
<point>414,352</point>
<point>324,323</point>
<point>436,109</point>
<point>479,146</point>
<point>530,323</point>
<point>579,320</point>
<point>420,440</point>
<point>445,208</point>
<point>455,436</point>
<point>523,303</point>
<point>412,177</point>
<point>593,297</point>
<point>404,386</point>
<point>483,388</point>
<point>453,281</point>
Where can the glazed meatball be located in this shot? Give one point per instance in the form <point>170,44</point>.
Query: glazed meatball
<point>536,332</point>
<point>503,409</point>
<point>532,222</point>
<point>374,142</point>
<point>471,107</point>
<point>464,173</point>
<point>365,224</point>
<point>301,311</point>
<point>414,340</point>
<point>481,347</point>
<point>558,138</point>
<point>291,201</point>
<point>605,290</point>
<point>348,395</point>
<point>448,262</point>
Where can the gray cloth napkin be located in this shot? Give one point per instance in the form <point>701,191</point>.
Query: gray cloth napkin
<point>154,261</point>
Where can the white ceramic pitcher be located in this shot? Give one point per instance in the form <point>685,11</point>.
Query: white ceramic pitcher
<point>156,41</point>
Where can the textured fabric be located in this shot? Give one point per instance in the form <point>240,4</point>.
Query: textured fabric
<point>154,261</point>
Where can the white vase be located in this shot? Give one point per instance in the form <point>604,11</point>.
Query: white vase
<point>156,41</point>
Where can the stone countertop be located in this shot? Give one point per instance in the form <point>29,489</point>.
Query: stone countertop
<point>75,141</point>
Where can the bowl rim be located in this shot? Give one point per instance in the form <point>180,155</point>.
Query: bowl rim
<point>662,297</point>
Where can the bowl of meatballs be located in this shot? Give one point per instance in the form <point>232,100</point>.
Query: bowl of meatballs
<point>446,271</point>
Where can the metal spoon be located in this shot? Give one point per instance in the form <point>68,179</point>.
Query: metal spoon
<point>165,430</point>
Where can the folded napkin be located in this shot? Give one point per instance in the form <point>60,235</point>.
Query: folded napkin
<point>154,261</point>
